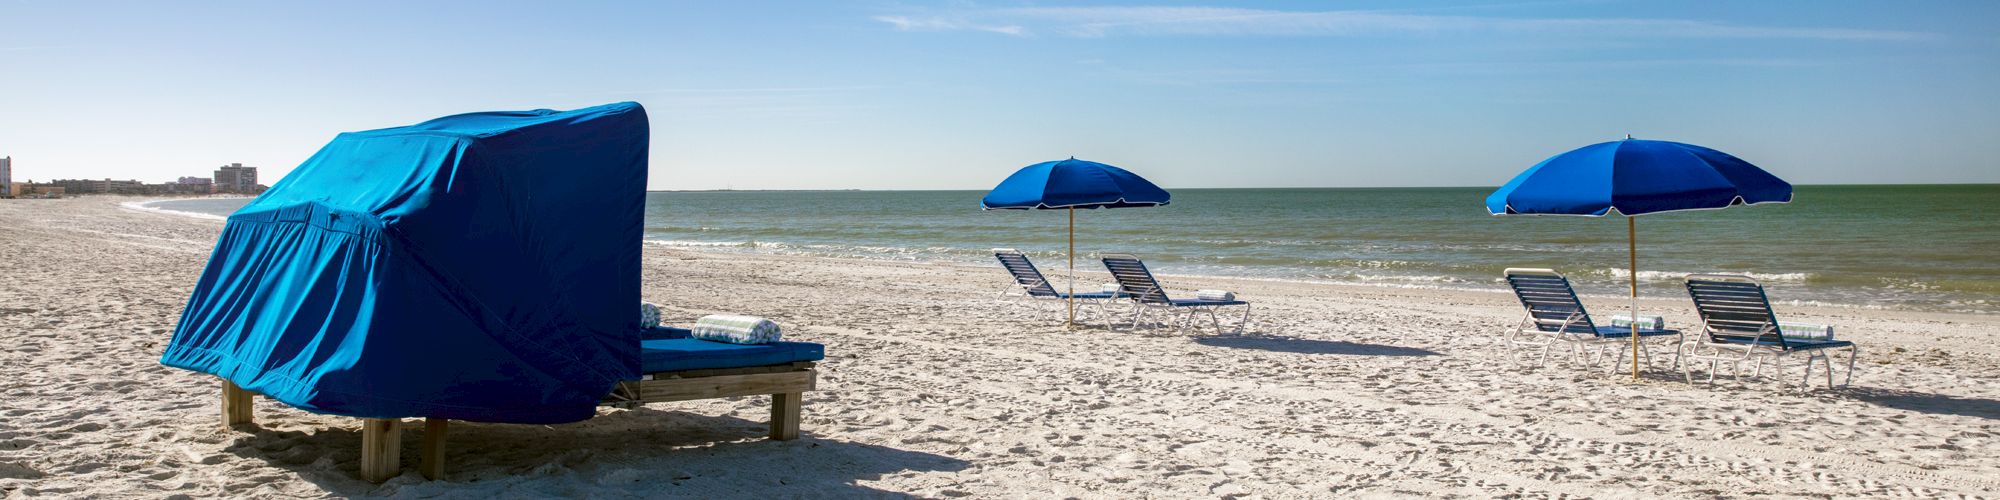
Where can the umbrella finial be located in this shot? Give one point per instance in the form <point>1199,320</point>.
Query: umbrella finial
<point>1628,137</point>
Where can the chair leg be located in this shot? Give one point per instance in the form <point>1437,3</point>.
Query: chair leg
<point>785,415</point>
<point>1807,385</point>
<point>1245,323</point>
<point>1852,352</point>
<point>381,449</point>
<point>236,405</point>
<point>433,450</point>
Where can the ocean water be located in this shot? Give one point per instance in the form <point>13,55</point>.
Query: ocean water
<point>1931,248</point>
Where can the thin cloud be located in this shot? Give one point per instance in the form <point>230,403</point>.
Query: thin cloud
<point>748,90</point>
<point>1093,22</point>
<point>937,23</point>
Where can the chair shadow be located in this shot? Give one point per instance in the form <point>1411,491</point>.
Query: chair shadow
<point>638,452</point>
<point>1309,346</point>
<point>1924,402</point>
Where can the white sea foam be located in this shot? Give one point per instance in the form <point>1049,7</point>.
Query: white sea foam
<point>145,206</point>
<point>1622,273</point>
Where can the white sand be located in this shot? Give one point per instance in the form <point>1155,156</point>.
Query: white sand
<point>933,389</point>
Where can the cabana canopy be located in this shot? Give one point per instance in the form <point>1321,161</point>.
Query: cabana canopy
<point>479,267</point>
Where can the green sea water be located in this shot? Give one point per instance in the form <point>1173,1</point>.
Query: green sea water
<point>1902,247</point>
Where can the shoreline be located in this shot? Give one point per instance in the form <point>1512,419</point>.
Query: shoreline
<point>1097,276</point>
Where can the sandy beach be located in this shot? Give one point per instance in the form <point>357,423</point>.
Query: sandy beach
<point>933,388</point>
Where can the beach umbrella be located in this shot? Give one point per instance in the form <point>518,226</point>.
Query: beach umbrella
<point>1069,185</point>
<point>1636,177</point>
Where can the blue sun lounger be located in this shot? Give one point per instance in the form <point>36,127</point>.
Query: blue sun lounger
<point>1137,283</point>
<point>1556,316</point>
<point>1029,284</point>
<point>1738,325</point>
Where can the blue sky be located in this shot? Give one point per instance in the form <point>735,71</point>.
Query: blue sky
<point>893,95</point>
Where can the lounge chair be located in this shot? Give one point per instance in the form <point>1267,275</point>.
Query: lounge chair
<point>1555,316</point>
<point>676,367</point>
<point>1029,284</point>
<point>1738,325</point>
<point>1137,283</point>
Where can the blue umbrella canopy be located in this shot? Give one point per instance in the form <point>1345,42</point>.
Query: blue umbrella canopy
<point>1073,183</point>
<point>1636,177</point>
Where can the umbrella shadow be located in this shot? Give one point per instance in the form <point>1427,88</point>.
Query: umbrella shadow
<point>1309,346</point>
<point>638,452</point>
<point>1925,402</point>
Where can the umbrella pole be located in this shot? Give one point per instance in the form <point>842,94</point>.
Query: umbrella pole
<point>1071,297</point>
<point>1632,244</point>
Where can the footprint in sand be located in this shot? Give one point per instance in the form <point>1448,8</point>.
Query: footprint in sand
<point>18,471</point>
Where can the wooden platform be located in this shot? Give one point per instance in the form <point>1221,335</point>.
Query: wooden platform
<point>381,439</point>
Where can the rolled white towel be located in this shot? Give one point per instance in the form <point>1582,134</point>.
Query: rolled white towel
<point>1647,322</point>
<point>649,315</point>
<point>1215,295</point>
<point>735,329</point>
<point>1805,331</point>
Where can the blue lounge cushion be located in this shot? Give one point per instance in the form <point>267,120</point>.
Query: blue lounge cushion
<point>1793,344</point>
<point>672,355</point>
<point>1626,331</point>
<point>664,332</point>
<point>1199,302</point>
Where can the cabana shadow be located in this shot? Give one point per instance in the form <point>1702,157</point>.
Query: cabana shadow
<point>1309,346</point>
<point>1925,402</point>
<point>643,451</point>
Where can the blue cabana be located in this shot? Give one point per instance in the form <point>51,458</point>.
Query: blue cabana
<point>478,267</point>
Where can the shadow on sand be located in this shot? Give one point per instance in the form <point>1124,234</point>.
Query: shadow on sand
<point>642,452</point>
<point>1924,402</point>
<point>1308,346</point>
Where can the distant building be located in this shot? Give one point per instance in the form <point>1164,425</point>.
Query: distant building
<point>106,186</point>
<point>7,177</point>
<point>236,178</point>
<point>190,185</point>
<point>33,190</point>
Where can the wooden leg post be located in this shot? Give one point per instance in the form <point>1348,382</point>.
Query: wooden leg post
<point>785,415</point>
<point>235,405</point>
<point>381,449</point>
<point>433,466</point>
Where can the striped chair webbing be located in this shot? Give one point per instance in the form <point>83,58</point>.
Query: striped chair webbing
<point>1551,303</point>
<point>1025,274</point>
<point>1135,280</point>
<point>1735,309</point>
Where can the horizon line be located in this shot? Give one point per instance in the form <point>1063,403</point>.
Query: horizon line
<point>823,190</point>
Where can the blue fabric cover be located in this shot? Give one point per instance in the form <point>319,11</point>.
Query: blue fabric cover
<point>1636,177</point>
<point>1073,183</point>
<point>670,355</point>
<point>477,267</point>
